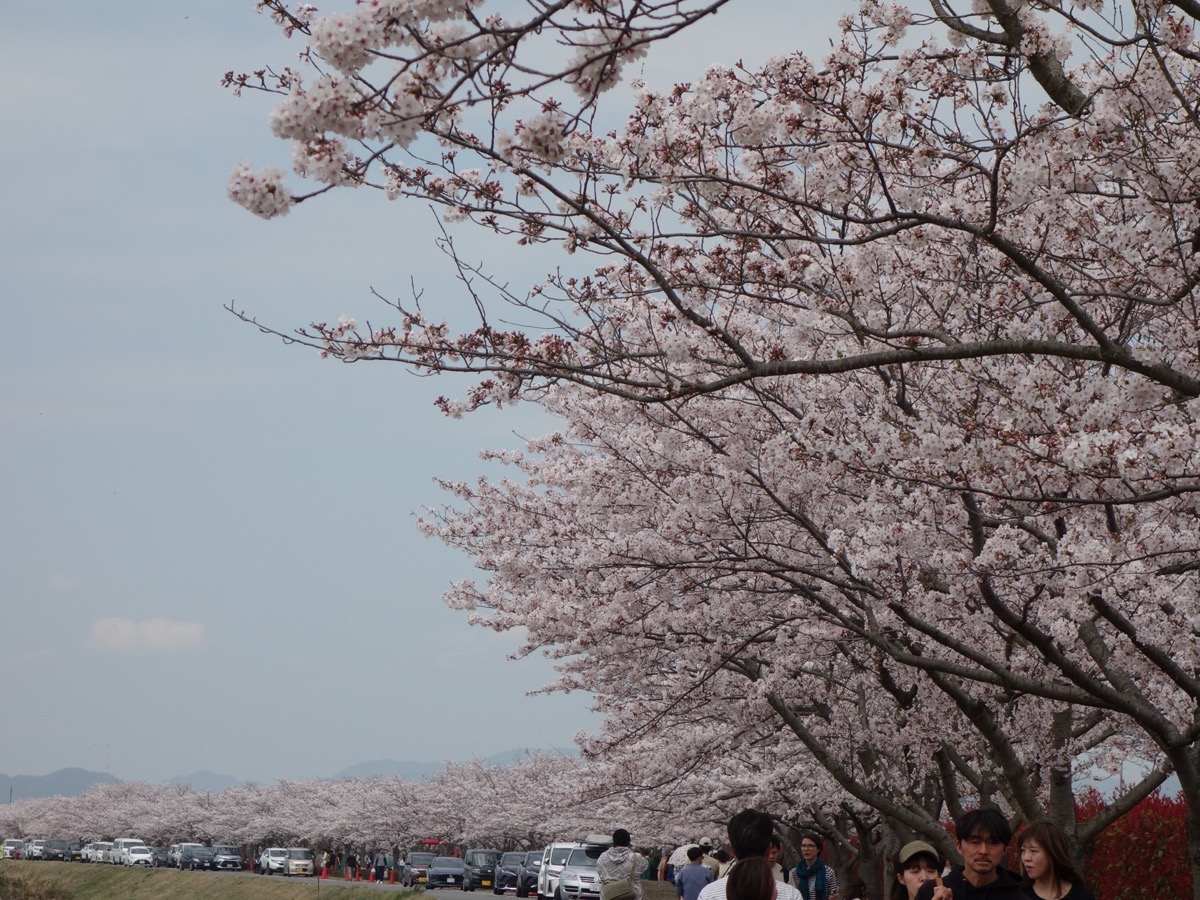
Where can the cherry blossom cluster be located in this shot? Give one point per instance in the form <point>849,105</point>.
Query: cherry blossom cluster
<point>875,491</point>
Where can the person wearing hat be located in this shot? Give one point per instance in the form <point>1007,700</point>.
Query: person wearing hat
<point>621,861</point>
<point>914,864</point>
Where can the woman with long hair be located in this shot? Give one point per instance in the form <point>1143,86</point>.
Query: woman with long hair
<point>751,879</point>
<point>1046,861</point>
<point>914,864</point>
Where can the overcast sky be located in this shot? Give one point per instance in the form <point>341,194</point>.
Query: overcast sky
<point>208,558</point>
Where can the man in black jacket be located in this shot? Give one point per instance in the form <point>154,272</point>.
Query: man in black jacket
<point>983,835</point>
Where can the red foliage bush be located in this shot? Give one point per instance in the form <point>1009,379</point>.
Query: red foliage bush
<point>1141,856</point>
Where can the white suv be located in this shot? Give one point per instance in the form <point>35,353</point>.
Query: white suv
<point>271,860</point>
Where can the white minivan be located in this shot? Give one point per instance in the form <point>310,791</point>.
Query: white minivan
<point>117,855</point>
<point>13,847</point>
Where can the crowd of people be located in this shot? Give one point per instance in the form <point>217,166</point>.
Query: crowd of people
<point>752,868</point>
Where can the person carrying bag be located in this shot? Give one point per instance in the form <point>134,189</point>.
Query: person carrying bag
<point>619,869</point>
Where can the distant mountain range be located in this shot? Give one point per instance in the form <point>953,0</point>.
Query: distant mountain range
<point>72,782</point>
<point>64,782</point>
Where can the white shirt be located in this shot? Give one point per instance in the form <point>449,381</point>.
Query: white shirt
<point>716,890</point>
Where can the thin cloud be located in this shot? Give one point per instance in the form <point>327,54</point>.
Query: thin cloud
<point>160,635</point>
<point>62,582</point>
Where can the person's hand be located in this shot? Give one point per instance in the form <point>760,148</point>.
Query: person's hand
<point>941,892</point>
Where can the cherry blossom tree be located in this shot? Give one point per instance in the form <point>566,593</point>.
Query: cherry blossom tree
<point>879,371</point>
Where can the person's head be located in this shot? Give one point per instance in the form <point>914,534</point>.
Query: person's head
<point>621,838</point>
<point>914,864</point>
<point>774,849</point>
<point>983,835</point>
<point>810,848</point>
<point>695,854</point>
<point>751,879</point>
<point>1046,855</point>
<point>750,834</point>
<point>721,856</point>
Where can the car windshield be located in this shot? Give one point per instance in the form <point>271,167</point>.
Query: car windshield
<point>534,859</point>
<point>484,858</point>
<point>140,851</point>
<point>559,855</point>
<point>280,853</point>
<point>230,851</point>
<point>512,859</point>
<point>300,854</point>
<point>584,857</point>
<point>447,862</point>
<point>420,859</point>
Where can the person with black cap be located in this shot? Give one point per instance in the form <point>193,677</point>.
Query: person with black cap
<point>619,869</point>
<point>914,864</point>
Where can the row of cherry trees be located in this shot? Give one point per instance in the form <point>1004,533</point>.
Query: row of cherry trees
<point>522,805</point>
<point>875,492</point>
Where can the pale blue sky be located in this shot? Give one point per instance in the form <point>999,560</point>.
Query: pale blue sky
<point>161,461</point>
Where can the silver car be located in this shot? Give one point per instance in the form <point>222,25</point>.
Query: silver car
<point>578,879</point>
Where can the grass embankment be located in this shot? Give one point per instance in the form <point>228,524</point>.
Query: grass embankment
<point>20,880</point>
<point>75,881</point>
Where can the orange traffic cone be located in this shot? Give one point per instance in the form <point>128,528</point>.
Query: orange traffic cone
<point>371,876</point>
<point>324,871</point>
<point>392,875</point>
<point>358,874</point>
<point>347,872</point>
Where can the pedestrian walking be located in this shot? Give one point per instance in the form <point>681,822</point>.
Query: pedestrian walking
<point>619,869</point>
<point>814,879</point>
<point>914,864</point>
<point>1046,859</point>
<point>753,879</point>
<point>983,838</point>
<point>694,877</point>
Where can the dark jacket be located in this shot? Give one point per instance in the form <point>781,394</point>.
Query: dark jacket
<point>1006,887</point>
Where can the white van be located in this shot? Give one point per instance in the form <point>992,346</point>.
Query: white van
<point>13,847</point>
<point>116,855</point>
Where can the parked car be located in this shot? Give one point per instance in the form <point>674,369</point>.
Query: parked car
<point>555,857</point>
<point>33,850</point>
<point>445,871</point>
<point>504,878</point>
<point>578,879</point>
<point>271,860</point>
<point>174,850</point>
<point>97,852</point>
<point>416,868</point>
<point>527,873</point>
<point>479,867</point>
<point>74,851</point>
<point>116,856</point>
<point>140,855</point>
<point>299,861</point>
<point>196,856</point>
<point>13,848</point>
<point>160,857</point>
<point>226,856</point>
<point>55,850</point>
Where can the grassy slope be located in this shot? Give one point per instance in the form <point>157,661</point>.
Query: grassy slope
<point>80,882</point>
<point>118,883</point>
